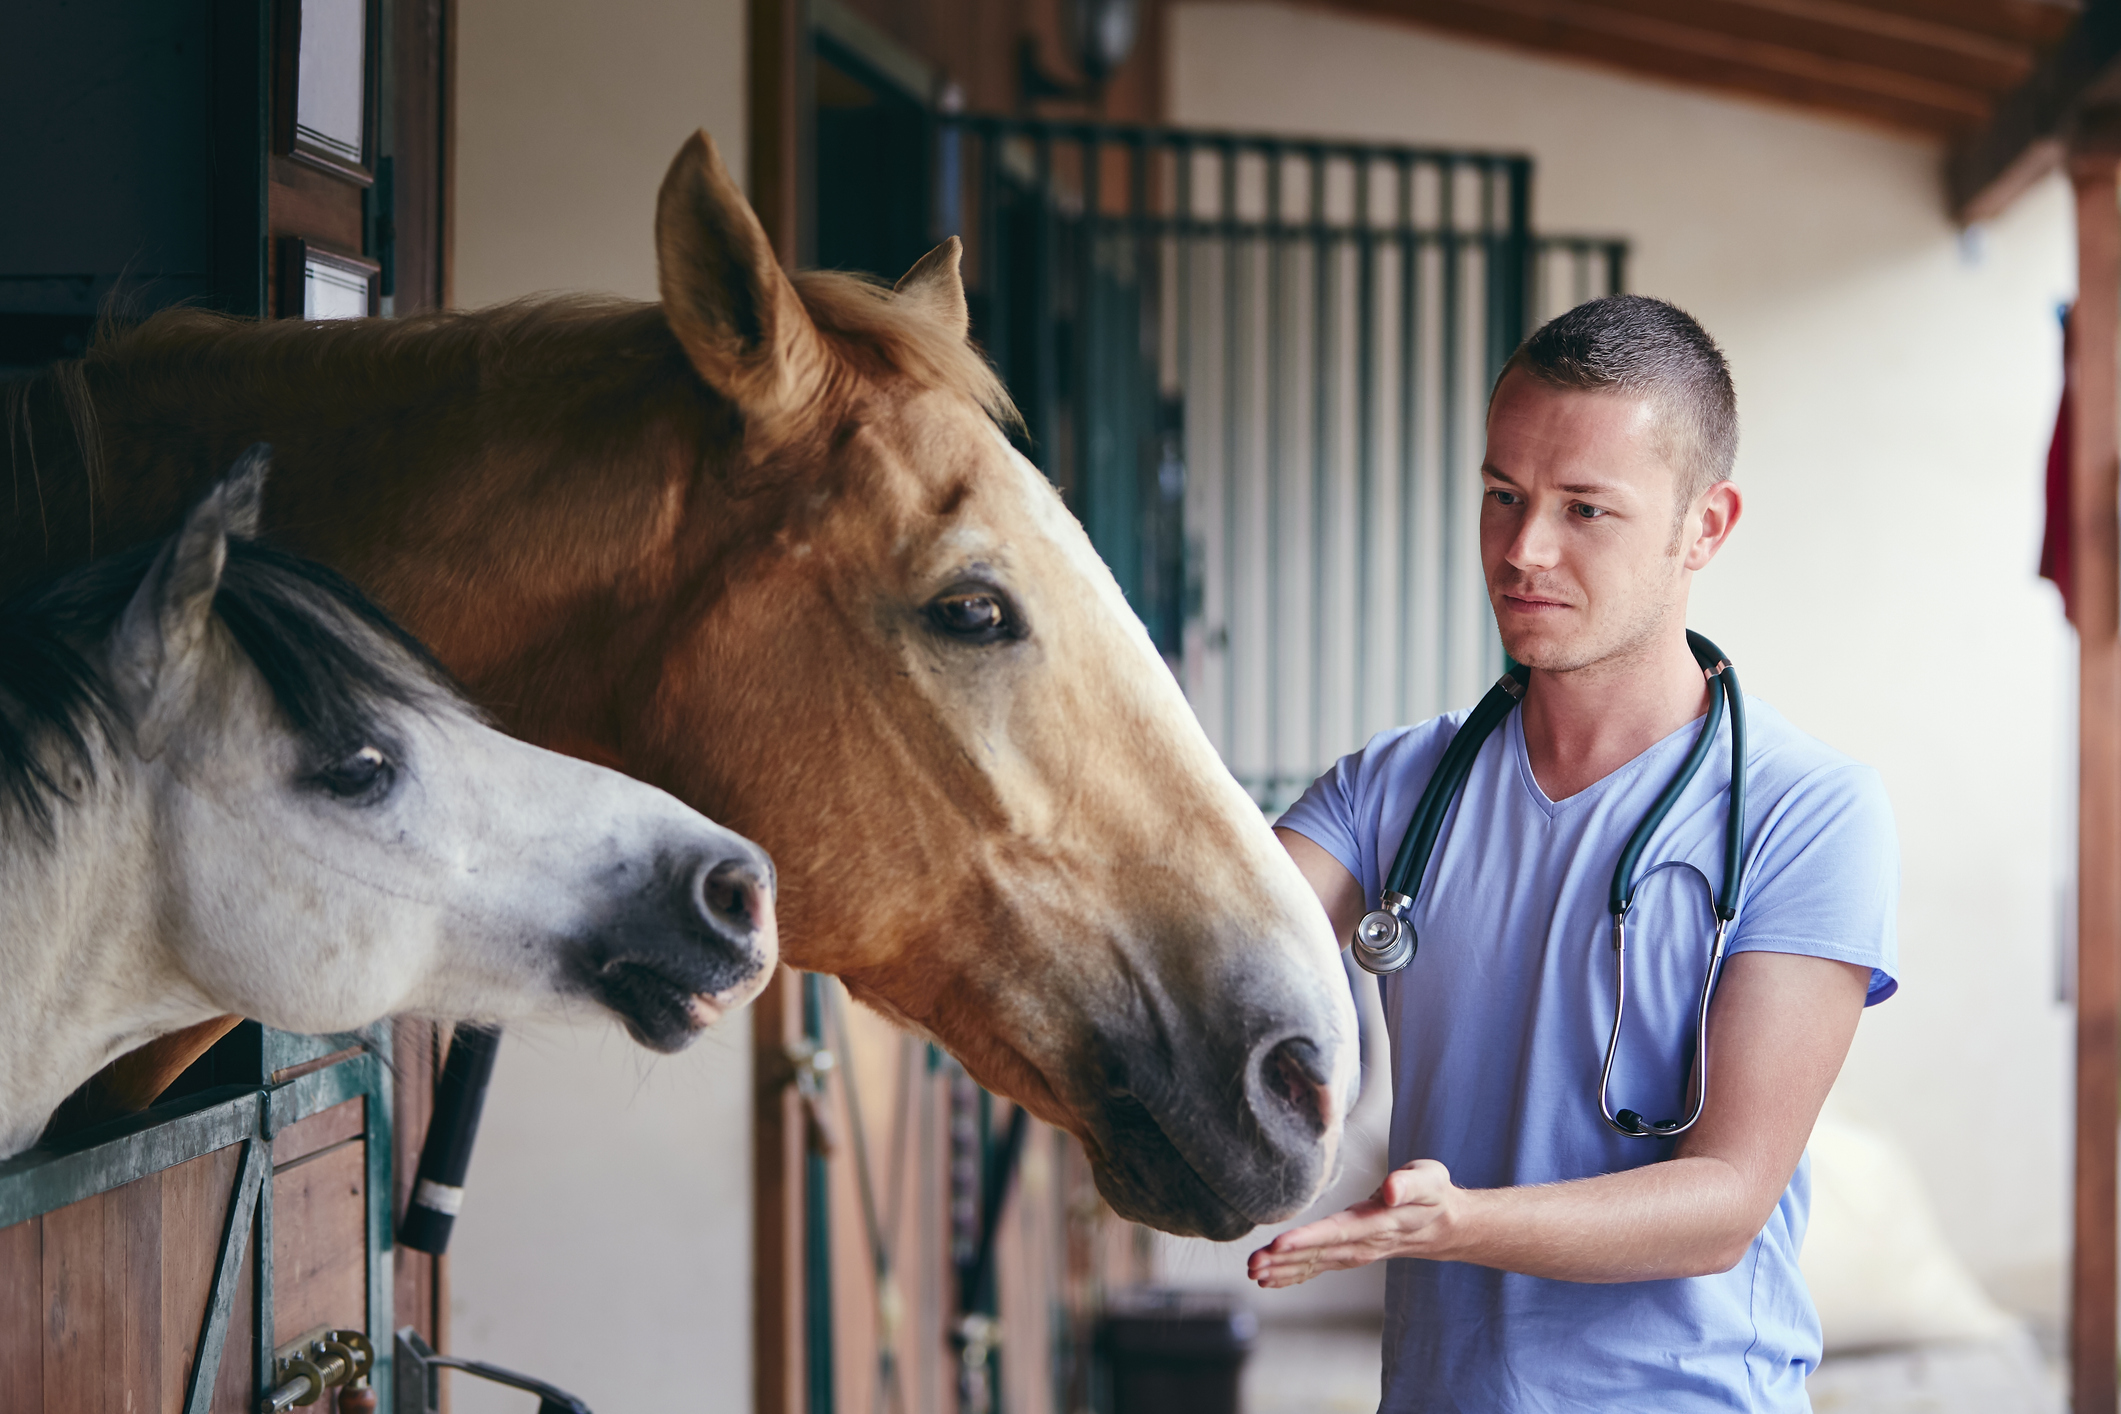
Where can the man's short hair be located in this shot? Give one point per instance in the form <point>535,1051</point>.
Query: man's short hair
<point>1650,349</point>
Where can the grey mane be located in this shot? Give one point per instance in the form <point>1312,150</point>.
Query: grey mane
<point>332,660</point>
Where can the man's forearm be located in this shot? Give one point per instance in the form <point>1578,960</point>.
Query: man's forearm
<point>1682,1218</point>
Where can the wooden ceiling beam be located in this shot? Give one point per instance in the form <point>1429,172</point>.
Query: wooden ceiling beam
<point>2034,22</point>
<point>1851,34</point>
<point>1919,30</point>
<point>2030,130</point>
<point>1687,54</point>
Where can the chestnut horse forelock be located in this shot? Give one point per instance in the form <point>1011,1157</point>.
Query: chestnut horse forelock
<point>725,542</point>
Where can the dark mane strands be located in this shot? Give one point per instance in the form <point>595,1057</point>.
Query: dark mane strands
<point>330,658</point>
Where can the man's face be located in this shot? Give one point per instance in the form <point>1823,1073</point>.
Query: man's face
<point>1577,533</point>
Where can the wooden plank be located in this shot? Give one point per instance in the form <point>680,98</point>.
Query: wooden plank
<point>319,1221</point>
<point>2094,462</point>
<point>2037,22</point>
<point>236,1383</point>
<point>778,59</point>
<point>1922,27</point>
<point>1701,57</point>
<point>102,1293</point>
<point>416,158</point>
<point>1832,29</point>
<point>414,1063</point>
<point>317,1133</point>
<point>22,1315</point>
<point>777,1201</point>
<point>195,1199</point>
<point>2023,139</point>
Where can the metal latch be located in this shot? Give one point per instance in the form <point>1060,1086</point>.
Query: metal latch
<point>320,1361</point>
<point>419,1370</point>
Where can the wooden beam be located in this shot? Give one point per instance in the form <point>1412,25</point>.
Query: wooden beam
<point>1850,34</point>
<point>778,100</point>
<point>777,1147</point>
<point>2024,139</point>
<point>2036,22</point>
<point>1922,28</point>
<point>2095,461</point>
<point>1701,57</point>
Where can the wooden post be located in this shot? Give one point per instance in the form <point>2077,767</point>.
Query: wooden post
<point>2094,449</point>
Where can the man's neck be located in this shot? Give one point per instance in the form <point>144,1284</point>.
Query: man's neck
<point>1583,725</point>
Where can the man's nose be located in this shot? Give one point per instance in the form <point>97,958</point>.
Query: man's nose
<point>1535,546</point>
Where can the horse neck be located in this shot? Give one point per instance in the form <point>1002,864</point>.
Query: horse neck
<point>86,979</point>
<point>555,457</point>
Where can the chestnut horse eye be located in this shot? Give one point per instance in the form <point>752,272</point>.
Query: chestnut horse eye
<point>973,616</point>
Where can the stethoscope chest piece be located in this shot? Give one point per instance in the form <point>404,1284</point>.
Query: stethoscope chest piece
<point>1385,941</point>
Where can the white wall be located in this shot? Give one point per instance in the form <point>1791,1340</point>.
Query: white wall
<point>605,1241</point>
<point>1897,388</point>
<point>567,116</point>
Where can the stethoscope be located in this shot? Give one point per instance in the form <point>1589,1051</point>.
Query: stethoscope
<point>1385,942</point>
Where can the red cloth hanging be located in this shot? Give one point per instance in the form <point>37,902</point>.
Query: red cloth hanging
<point>2054,545</point>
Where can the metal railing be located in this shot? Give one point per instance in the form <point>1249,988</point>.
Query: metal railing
<point>1257,367</point>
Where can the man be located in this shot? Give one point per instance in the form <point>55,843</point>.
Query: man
<point>1545,1261</point>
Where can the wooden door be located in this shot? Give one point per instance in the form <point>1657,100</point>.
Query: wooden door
<point>166,1261</point>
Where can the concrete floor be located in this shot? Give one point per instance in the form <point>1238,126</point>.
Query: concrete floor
<point>1333,1369</point>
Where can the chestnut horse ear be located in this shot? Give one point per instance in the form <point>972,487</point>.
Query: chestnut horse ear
<point>935,283</point>
<point>725,295</point>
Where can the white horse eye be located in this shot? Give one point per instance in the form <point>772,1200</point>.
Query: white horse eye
<point>356,775</point>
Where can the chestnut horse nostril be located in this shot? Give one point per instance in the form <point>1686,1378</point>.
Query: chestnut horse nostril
<point>1293,1073</point>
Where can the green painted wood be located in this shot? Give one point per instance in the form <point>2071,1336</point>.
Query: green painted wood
<point>213,1326</point>
<point>97,1160</point>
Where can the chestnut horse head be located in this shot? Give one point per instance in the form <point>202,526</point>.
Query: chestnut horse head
<point>765,547</point>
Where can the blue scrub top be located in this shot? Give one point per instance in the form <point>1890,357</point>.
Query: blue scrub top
<point>1499,1025</point>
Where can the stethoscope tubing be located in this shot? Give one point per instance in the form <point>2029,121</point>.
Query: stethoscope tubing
<point>1385,940</point>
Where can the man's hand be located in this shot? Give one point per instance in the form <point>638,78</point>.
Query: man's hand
<point>1409,1215</point>
<point>1779,1027</point>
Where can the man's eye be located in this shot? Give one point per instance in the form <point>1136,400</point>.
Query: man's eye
<point>1588,512</point>
<point>1501,497</point>
<point>362,773</point>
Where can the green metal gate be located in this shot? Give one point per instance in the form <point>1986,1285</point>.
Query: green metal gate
<point>1257,367</point>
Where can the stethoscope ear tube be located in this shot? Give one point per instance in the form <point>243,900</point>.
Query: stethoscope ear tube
<point>1384,940</point>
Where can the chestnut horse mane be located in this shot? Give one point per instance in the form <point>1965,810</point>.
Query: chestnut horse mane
<point>185,357</point>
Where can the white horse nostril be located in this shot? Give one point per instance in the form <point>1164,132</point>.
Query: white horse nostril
<point>730,893</point>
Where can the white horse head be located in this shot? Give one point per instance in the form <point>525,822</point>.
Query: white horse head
<point>229,783</point>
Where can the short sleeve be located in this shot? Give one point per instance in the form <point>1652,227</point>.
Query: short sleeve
<point>1327,814</point>
<point>1824,877</point>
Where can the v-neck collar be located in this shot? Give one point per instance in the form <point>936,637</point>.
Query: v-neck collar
<point>1624,772</point>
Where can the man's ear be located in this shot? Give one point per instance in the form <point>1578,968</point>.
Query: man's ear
<point>725,295</point>
<point>159,645</point>
<point>935,284</point>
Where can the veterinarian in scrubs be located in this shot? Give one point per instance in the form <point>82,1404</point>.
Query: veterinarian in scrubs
<point>1540,1260</point>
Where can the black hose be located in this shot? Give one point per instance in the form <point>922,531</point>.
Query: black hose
<point>460,1098</point>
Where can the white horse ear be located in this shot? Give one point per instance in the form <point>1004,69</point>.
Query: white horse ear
<point>242,491</point>
<point>936,284</point>
<point>159,644</point>
<point>725,295</point>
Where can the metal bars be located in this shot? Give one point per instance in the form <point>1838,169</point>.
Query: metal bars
<point>1257,368</point>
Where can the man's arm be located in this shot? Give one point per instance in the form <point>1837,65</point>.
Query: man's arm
<point>1779,1029</point>
<point>1336,888</point>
